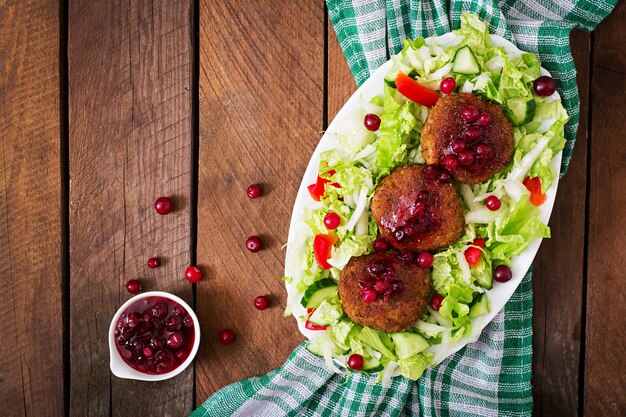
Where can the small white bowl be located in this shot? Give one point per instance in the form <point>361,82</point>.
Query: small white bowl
<point>123,370</point>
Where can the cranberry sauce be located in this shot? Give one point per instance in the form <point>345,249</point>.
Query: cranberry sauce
<point>470,151</point>
<point>414,217</point>
<point>155,335</point>
<point>380,282</point>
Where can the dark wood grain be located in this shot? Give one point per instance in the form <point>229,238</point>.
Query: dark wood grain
<point>130,142</point>
<point>558,272</point>
<point>31,362</point>
<point>605,368</point>
<point>261,101</point>
<point>341,84</point>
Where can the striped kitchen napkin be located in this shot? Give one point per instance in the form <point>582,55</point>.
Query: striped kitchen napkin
<point>490,377</point>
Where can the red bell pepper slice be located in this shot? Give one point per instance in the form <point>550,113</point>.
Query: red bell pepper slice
<point>533,185</point>
<point>472,255</point>
<point>322,247</point>
<point>317,190</point>
<point>312,326</point>
<point>414,91</point>
<point>479,241</point>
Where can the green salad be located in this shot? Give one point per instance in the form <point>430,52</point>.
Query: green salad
<point>349,174</point>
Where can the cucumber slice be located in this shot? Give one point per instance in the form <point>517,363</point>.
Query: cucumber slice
<point>465,62</point>
<point>325,315</point>
<point>372,365</point>
<point>480,307</point>
<point>521,110</point>
<point>318,292</point>
<point>409,344</point>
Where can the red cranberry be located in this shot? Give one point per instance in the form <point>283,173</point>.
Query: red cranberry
<point>380,286</point>
<point>502,273</point>
<point>158,342</point>
<point>431,172</point>
<point>181,355</point>
<point>179,310</point>
<point>371,122</point>
<point>447,85</point>
<point>484,151</point>
<point>159,310</point>
<point>472,134</point>
<point>187,321</point>
<point>355,361</point>
<point>226,336</point>
<point>254,191</point>
<point>148,352</point>
<point>377,268</point>
<point>406,257</point>
<point>451,162</point>
<point>133,320</point>
<point>458,146</point>
<point>425,260</point>
<point>175,340</point>
<point>193,274</point>
<point>435,302</point>
<point>484,120</point>
<point>254,244</point>
<point>493,203</point>
<point>470,114</point>
<point>261,302</point>
<point>332,220</point>
<point>163,205</point>
<point>369,295</point>
<point>133,286</point>
<point>544,86</point>
<point>154,263</point>
<point>173,323</point>
<point>380,245</point>
<point>444,177</point>
<point>466,158</point>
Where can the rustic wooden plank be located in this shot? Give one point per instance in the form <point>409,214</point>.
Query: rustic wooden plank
<point>31,364</point>
<point>341,84</point>
<point>605,368</point>
<point>558,273</point>
<point>130,103</point>
<point>261,102</point>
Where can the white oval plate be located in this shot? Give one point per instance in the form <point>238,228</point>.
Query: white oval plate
<point>498,296</point>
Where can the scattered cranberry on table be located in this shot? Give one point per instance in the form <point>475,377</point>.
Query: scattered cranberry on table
<point>447,85</point>
<point>254,191</point>
<point>493,203</point>
<point>133,286</point>
<point>544,86</point>
<point>371,122</point>
<point>425,259</point>
<point>154,263</point>
<point>226,337</point>
<point>435,302</point>
<point>193,274</point>
<point>332,220</point>
<point>261,302</point>
<point>502,273</point>
<point>355,361</point>
<point>254,244</point>
<point>163,205</point>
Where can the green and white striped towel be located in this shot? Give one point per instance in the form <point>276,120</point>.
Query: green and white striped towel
<point>490,377</point>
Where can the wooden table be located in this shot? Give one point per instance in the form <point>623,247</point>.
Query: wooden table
<point>107,105</point>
